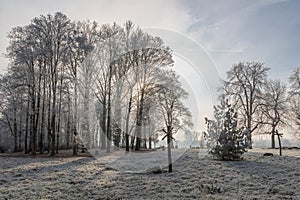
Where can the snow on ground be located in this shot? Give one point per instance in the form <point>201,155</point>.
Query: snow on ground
<point>109,176</point>
<point>139,162</point>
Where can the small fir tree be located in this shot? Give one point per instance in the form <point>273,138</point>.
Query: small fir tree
<point>230,144</point>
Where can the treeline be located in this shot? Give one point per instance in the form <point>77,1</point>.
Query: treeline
<point>263,105</point>
<point>113,84</point>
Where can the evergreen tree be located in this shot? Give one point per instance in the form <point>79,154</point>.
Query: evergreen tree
<point>230,144</point>
<point>214,127</point>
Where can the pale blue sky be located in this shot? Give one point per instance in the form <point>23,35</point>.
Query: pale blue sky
<point>229,30</point>
<point>225,31</point>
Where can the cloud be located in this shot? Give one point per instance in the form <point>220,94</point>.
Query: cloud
<point>259,30</point>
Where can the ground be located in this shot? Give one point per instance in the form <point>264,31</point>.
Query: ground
<point>123,176</point>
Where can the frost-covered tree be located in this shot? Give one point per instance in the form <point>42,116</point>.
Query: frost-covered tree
<point>243,87</point>
<point>274,107</point>
<point>294,98</point>
<point>230,144</point>
<point>97,80</point>
<point>170,96</point>
<point>214,127</point>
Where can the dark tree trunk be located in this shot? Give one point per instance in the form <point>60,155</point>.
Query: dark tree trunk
<point>43,118</point>
<point>169,140</point>
<point>59,112</point>
<point>150,140</point>
<point>273,139</point>
<point>68,133</point>
<point>15,131</point>
<point>15,143</point>
<point>103,126</point>
<point>249,137</point>
<point>68,123</point>
<point>20,133</point>
<point>140,121</point>
<point>127,124</point>
<point>108,126</point>
<point>26,129</point>
<point>279,142</point>
<point>132,142</point>
<point>49,116</point>
<point>53,114</point>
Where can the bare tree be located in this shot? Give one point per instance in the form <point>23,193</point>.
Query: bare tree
<point>176,116</point>
<point>59,64</point>
<point>274,106</point>
<point>294,98</point>
<point>11,93</point>
<point>243,86</point>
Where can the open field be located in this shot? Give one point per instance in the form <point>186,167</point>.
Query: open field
<point>123,176</point>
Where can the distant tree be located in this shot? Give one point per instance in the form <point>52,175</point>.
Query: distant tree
<point>231,141</point>
<point>193,138</point>
<point>294,98</point>
<point>243,87</point>
<point>274,107</point>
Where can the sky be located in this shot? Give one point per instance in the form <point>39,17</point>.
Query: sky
<point>207,36</point>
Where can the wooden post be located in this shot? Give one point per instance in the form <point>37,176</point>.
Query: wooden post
<point>279,141</point>
<point>169,139</point>
<point>169,148</point>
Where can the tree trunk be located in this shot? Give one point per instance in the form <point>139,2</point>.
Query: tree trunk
<point>279,142</point>
<point>140,121</point>
<point>103,126</point>
<point>273,139</point>
<point>59,112</point>
<point>150,140</point>
<point>68,122</point>
<point>75,123</point>
<point>15,131</point>
<point>26,128</point>
<point>49,121</point>
<point>86,124</point>
<point>53,114</point>
<point>132,142</point>
<point>20,127</point>
<point>108,126</point>
<point>249,138</point>
<point>43,118</point>
<point>127,123</point>
<point>16,143</point>
<point>169,139</point>
<point>53,130</point>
